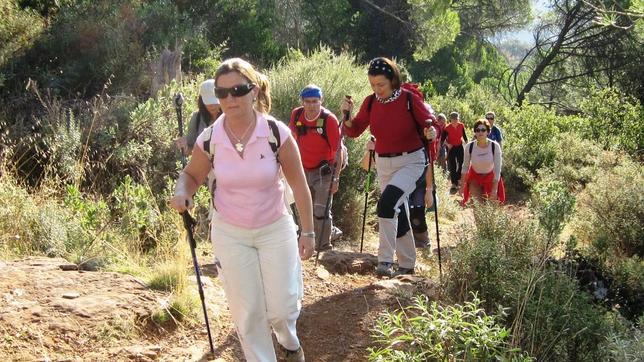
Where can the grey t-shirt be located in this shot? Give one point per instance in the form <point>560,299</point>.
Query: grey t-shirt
<point>195,127</point>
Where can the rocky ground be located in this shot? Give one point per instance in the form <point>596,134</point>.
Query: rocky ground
<point>51,313</point>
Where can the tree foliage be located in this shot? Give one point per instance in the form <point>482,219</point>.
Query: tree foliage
<point>572,49</point>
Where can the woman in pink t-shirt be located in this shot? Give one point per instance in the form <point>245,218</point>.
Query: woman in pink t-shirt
<point>253,235</point>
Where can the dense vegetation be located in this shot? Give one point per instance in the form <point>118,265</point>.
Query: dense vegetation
<point>87,159</point>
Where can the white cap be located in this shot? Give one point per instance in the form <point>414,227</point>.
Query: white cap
<point>207,92</point>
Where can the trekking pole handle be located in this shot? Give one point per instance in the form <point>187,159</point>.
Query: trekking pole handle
<point>178,100</point>
<point>346,113</point>
<point>178,104</point>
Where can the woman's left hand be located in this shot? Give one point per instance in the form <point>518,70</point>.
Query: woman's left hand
<point>306,244</point>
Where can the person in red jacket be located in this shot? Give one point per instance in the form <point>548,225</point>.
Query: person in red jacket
<point>317,133</point>
<point>454,134</point>
<point>396,116</point>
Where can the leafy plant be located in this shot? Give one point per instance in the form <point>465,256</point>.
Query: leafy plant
<point>428,331</point>
<point>553,205</point>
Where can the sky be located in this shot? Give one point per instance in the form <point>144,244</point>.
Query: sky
<point>525,36</point>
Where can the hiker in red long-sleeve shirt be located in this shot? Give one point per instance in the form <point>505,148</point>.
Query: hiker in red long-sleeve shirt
<point>454,134</point>
<point>317,133</point>
<point>396,116</point>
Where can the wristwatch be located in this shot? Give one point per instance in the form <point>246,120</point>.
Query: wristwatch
<point>310,234</point>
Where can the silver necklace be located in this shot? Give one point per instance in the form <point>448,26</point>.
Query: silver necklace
<point>239,146</point>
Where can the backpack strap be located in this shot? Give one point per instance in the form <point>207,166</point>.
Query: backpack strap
<point>206,143</point>
<point>274,139</point>
<point>371,98</point>
<point>472,147</point>
<point>302,129</point>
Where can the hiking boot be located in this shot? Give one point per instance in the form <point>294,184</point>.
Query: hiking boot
<point>453,189</point>
<point>294,356</point>
<point>421,244</point>
<point>385,269</point>
<point>336,233</point>
<point>404,271</point>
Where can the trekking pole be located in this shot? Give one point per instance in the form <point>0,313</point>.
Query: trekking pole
<point>438,238</point>
<point>328,196</point>
<point>189,223</point>
<point>367,186</point>
<point>178,103</point>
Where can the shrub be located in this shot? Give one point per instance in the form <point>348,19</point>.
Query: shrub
<point>18,30</point>
<point>611,210</point>
<point>553,205</point>
<point>560,323</point>
<point>576,161</point>
<point>613,120</point>
<point>493,258</point>
<point>428,331</point>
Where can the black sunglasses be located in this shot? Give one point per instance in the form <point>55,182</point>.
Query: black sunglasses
<point>480,130</point>
<point>490,118</point>
<point>236,91</point>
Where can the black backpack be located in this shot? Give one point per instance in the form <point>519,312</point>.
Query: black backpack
<point>304,129</point>
<point>472,148</point>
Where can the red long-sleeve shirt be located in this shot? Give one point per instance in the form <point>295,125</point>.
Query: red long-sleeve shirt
<point>313,147</point>
<point>391,123</point>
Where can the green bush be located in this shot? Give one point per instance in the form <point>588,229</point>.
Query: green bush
<point>560,322</point>
<point>613,120</point>
<point>576,161</point>
<point>18,30</point>
<point>531,142</point>
<point>553,204</point>
<point>493,258</point>
<point>509,262</point>
<point>336,75</point>
<point>431,332</point>
<point>611,210</point>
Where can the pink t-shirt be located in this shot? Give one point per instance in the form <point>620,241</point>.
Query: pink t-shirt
<point>249,191</point>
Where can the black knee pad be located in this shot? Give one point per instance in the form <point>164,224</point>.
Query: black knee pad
<point>417,218</point>
<point>387,202</point>
<point>403,223</point>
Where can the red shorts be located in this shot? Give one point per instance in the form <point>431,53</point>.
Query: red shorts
<point>485,182</point>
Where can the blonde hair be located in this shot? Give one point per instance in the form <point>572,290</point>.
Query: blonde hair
<point>246,70</point>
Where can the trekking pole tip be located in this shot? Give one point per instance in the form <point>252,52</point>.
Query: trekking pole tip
<point>178,100</point>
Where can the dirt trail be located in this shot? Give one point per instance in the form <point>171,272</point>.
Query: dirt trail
<point>49,314</point>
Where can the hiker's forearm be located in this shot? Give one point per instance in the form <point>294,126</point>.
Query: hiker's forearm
<point>294,173</point>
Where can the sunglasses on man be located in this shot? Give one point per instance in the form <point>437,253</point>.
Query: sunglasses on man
<point>239,90</point>
<point>490,118</point>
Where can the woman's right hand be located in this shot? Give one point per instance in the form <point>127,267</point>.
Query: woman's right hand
<point>371,144</point>
<point>181,202</point>
<point>306,245</point>
<point>346,105</point>
<point>181,144</point>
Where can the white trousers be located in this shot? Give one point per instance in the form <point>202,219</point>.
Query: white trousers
<point>402,172</point>
<point>262,277</point>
